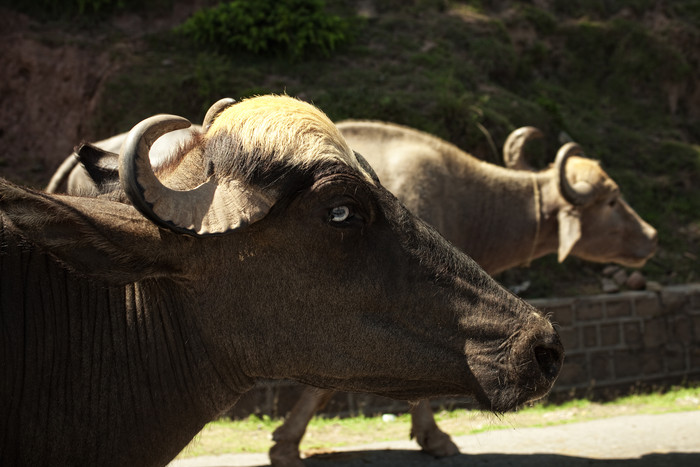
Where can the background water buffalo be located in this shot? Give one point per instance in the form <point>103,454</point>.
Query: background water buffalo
<point>263,249</point>
<point>505,217</point>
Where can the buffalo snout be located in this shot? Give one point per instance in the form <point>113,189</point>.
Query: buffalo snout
<point>527,362</point>
<point>549,355</point>
<point>537,361</point>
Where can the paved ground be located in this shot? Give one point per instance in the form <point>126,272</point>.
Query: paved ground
<point>671,440</point>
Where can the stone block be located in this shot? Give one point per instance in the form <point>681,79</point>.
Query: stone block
<point>675,357</point>
<point>601,367</point>
<point>590,336</point>
<point>569,338</point>
<point>574,372</point>
<point>694,352</point>
<point>647,306</point>
<point>632,332</point>
<point>674,299</point>
<point>695,300</point>
<point>654,332</point>
<point>618,309</point>
<point>628,364</point>
<point>682,327</point>
<point>609,334</point>
<point>652,363</point>
<point>562,315</point>
<point>589,310</point>
<point>696,328</point>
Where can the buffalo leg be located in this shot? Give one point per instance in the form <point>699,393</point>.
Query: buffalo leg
<point>427,434</point>
<point>287,437</point>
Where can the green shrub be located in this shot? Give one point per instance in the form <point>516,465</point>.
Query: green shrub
<point>544,21</point>
<point>288,27</point>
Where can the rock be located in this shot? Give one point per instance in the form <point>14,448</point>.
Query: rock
<point>610,270</point>
<point>636,281</point>
<point>520,288</point>
<point>609,285</point>
<point>620,277</point>
<point>654,286</point>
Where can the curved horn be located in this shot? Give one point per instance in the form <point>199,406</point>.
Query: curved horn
<point>580,192</point>
<point>209,209</point>
<point>60,178</point>
<point>214,111</point>
<point>513,156</point>
<point>136,175</point>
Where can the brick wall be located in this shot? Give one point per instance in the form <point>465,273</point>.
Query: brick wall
<point>613,342</point>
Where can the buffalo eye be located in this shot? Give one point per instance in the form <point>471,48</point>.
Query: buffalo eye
<point>339,214</point>
<point>612,202</point>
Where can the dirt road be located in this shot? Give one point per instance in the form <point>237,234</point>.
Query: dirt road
<point>671,440</point>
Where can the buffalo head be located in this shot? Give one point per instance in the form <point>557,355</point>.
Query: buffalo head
<point>595,223</point>
<point>274,213</point>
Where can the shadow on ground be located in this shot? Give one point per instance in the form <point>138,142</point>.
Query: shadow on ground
<point>408,458</point>
<point>643,440</point>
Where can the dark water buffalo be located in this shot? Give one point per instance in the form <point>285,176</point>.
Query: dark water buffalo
<point>265,248</point>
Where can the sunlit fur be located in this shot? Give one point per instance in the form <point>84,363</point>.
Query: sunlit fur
<point>296,133</point>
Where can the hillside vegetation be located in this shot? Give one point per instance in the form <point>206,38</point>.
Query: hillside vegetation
<point>618,77</point>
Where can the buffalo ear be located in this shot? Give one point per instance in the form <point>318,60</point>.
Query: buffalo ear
<point>101,239</point>
<point>569,231</point>
<point>102,166</point>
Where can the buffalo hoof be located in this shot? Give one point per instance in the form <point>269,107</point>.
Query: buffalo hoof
<point>285,454</point>
<point>437,443</point>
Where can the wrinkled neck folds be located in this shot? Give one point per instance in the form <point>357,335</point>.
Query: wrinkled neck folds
<point>102,375</point>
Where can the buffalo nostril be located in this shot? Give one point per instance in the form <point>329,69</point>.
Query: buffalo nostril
<point>549,360</point>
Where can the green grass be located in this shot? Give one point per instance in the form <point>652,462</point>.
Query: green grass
<point>253,433</point>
